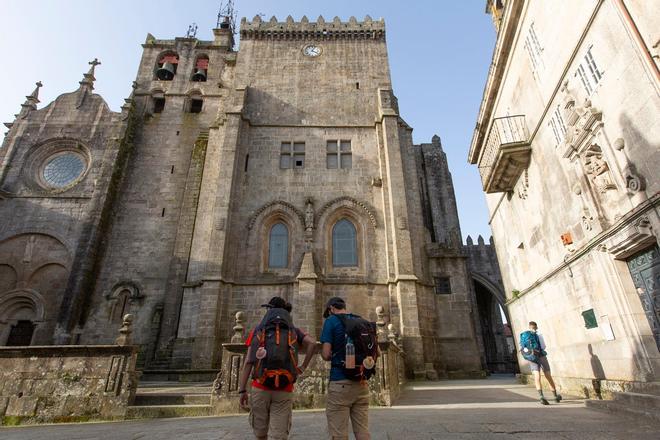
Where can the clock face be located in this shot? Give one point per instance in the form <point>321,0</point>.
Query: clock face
<point>312,50</point>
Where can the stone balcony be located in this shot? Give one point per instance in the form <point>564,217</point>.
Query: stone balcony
<point>506,154</point>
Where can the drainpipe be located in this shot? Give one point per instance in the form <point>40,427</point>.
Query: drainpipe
<point>637,36</point>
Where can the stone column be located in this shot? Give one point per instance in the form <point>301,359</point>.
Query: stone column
<point>403,288</point>
<point>205,270</point>
<point>306,310</point>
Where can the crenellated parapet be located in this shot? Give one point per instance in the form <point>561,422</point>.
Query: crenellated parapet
<point>319,30</point>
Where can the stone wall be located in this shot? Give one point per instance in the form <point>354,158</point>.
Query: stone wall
<point>66,383</point>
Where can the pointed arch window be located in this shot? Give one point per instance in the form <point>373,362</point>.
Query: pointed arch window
<point>344,244</point>
<point>278,246</point>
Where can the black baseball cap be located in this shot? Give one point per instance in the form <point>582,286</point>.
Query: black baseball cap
<point>275,303</point>
<point>334,302</point>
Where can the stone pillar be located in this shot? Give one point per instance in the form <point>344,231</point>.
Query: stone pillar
<point>125,331</point>
<point>306,310</point>
<point>403,288</point>
<point>380,324</point>
<point>224,398</point>
<point>210,234</point>
<point>237,338</point>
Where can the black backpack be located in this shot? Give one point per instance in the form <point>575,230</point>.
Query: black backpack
<point>365,339</point>
<point>277,336</point>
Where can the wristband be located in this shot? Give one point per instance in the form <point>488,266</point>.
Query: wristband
<point>242,391</point>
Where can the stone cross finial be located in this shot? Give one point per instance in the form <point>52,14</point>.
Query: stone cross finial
<point>95,62</point>
<point>125,331</point>
<point>88,78</point>
<point>380,324</point>
<point>237,338</point>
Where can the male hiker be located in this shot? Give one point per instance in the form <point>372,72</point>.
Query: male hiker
<point>272,359</point>
<point>532,348</point>
<point>351,346</point>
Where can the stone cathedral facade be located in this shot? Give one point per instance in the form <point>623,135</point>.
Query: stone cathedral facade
<point>229,176</point>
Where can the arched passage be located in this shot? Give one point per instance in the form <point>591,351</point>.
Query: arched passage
<point>496,333</point>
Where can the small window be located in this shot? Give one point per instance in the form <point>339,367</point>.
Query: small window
<point>442,286</point>
<point>558,125</point>
<point>589,73</point>
<point>292,155</point>
<point>159,105</point>
<point>534,49</point>
<point>167,66</point>
<point>339,155</point>
<point>589,319</point>
<point>196,105</point>
<point>278,246</point>
<point>344,244</point>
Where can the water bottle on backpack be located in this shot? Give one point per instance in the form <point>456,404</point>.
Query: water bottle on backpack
<point>350,354</point>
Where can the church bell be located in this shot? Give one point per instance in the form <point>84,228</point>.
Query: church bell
<point>166,72</point>
<point>200,75</point>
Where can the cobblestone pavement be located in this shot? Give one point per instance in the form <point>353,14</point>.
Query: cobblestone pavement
<point>495,408</point>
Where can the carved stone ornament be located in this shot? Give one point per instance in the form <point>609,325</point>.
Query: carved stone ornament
<point>581,123</point>
<point>634,182</point>
<point>631,239</point>
<point>598,169</point>
<point>309,215</point>
<point>587,220</point>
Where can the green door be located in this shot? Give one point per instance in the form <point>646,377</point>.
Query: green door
<point>645,270</point>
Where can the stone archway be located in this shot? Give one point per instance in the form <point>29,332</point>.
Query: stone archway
<point>34,269</point>
<point>21,312</point>
<point>498,343</point>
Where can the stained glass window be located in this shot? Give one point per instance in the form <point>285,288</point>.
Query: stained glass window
<point>63,170</point>
<point>344,244</point>
<point>278,248</point>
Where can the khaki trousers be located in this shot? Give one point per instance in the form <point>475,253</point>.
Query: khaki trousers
<point>348,399</point>
<point>270,413</point>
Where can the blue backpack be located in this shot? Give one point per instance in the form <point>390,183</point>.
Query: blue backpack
<point>530,346</point>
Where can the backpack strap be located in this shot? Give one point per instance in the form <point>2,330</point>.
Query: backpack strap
<point>344,319</point>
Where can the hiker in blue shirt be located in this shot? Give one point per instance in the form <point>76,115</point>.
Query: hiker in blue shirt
<point>532,348</point>
<point>346,398</point>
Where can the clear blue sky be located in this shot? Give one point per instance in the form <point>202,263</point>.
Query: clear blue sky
<point>439,52</point>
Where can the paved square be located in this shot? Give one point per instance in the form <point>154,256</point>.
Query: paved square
<point>496,408</point>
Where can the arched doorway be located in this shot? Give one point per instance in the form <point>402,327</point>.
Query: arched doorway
<point>20,334</point>
<point>21,311</point>
<point>499,348</point>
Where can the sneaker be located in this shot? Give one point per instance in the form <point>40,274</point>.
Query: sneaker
<point>558,398</point>
<point>544,401</point>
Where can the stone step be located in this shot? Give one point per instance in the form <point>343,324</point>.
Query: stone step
<point>178,375</point>
<point>619,407</point>
<point>171,399</point>
<point>167,411</point>
<point>638,400</point>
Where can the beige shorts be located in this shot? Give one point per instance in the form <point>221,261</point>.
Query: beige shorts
<point>348,399</point>
<point>270,413</point>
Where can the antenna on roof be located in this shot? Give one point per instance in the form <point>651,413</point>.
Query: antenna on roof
<point>192,31</point>
<point>227,16</point>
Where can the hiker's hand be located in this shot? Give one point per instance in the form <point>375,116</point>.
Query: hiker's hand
<point>244,401</point>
